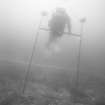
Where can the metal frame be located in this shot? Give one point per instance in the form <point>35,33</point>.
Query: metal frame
<point>34,48</point>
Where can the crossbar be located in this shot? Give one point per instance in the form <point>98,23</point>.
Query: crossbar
<point>73,34</point>
<point>51,66</point>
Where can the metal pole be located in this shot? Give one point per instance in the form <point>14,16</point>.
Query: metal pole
<point>31,57</point>
<point>73,34</point>
<point>79,54</point>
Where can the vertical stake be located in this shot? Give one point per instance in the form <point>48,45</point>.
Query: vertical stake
<point>79,53</point>
<point>25,82</point>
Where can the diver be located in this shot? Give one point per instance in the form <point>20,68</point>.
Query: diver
<point>57,24</point>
